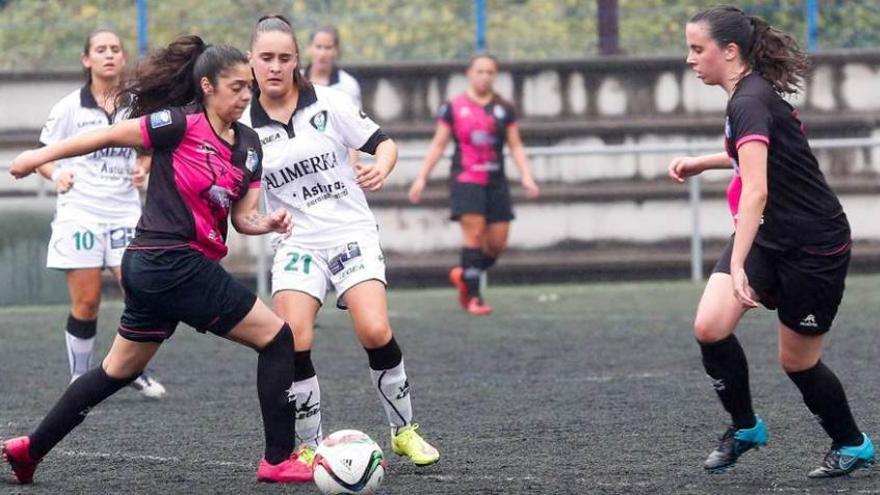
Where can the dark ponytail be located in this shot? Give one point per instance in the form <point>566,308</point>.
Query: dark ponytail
<point>770,52</point>
<point>171,76</point>
<point>777,57</point>
<point>277,22</point>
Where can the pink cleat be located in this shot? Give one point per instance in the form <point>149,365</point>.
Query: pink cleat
<point>457,280</point>
<point>293,470</point>
<point>16,451</point>
<point>477,307</point>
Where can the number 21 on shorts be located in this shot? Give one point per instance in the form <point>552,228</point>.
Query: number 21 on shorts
<point>295,260</point>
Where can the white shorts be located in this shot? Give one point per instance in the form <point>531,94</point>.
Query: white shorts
<point>312,271</point>
<point>84,245</point>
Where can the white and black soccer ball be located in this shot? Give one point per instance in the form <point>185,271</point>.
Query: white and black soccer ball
<point>349,461</point>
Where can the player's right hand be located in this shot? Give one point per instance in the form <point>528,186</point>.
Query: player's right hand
<point>415,191</point>
<point>64,181</point>
<point>683,167</point>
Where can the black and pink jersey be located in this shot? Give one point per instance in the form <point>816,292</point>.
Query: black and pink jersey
<point>479,132</point>
<point>194,179</point>
<point>801,212</point>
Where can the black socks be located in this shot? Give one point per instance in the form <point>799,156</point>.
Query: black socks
<point>826,399</point>
<point>275,372</point>
<point>725,363</point>
<point>71,409</point>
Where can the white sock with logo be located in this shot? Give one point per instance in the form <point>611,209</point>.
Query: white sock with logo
<point>79,354</point>
<point>393,389</point>
<point>308,411</point>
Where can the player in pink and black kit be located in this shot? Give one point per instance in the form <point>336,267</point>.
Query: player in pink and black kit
<point>480,122</point>
<point>206,169</point>
<point>791,246</point>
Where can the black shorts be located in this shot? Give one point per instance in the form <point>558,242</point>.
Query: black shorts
<point>805,289</point>
<point>491,201</point>
<point>166,286</point>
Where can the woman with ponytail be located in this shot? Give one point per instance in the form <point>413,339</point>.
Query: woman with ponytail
<point>791,246</point>
<point>206,169</point>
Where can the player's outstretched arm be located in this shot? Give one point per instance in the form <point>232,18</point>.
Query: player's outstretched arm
<point>683,167</point>
<point>125,133</point>
<point>247,219</point>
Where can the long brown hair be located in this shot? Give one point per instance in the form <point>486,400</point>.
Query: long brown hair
<point>277,22</point>
<point>771,52</point>
<point>171,76</point>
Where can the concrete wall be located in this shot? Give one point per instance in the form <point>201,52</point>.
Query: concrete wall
<point>602,101</point>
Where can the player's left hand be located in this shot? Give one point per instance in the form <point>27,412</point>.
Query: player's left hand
<point>531,187</point>
<point>280,221</point>
<point>370,177</point>
<point>741,289</point>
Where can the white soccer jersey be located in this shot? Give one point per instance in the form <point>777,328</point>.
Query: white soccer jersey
<point>345,82</point>
<point>307,169</point>
<point>102,190</point>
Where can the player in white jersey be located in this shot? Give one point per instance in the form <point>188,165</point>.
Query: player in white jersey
<point>322,70</point>
<point>306,132</point>
<point>98,203</point>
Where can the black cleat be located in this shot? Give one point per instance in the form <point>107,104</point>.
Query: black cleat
<point>735,443</point>
<point>840,461</point>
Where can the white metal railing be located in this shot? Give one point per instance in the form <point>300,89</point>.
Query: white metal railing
<point>591,150</point>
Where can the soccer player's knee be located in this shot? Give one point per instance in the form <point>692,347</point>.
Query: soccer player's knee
<point>375,334</point>
<point>282,342</point>
<point>119,370</point>
<point>86,308</point>
<point>707,330</point>
<point>792,362</point>
<point>494,249</point>
<point>303,332</point>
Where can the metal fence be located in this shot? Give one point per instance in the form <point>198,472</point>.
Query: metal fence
<point>49,34</point>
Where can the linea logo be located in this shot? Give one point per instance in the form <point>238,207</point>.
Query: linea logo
<point>319,120</point>
<point>307,410</point>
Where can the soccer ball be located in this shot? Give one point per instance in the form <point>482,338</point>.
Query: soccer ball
<point>348,461</point>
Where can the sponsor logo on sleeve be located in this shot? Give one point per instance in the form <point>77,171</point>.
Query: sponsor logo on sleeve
<point>160,119</point>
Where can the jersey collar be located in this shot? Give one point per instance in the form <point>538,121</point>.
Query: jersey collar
<point>87,100</point>
<point>260,118</point>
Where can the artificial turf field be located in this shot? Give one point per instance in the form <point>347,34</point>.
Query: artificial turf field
<point>565,389</point>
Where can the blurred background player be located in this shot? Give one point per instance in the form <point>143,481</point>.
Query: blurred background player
<point>791,247</point>
<point>306,132</point>
<point>322,70</point>
<point>98,204</point>
<point>480,122</point>
<point>206,170</point>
